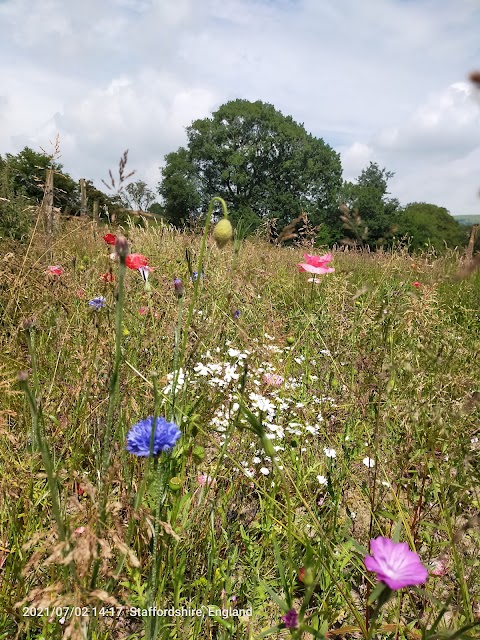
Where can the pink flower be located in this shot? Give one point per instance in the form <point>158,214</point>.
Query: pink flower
<point>110,238</point>
<point>439,567</point>
<point>272,379</point>
<point>56,270</point>
<point>206,481</point>
<point>395,564</point>
<point>416,284</point>
<point>80,293</point>
<point>316,264</point>
<point>143,311</point>
<point>107,277</point>
<point>135,261</point>
<point>79,531</point>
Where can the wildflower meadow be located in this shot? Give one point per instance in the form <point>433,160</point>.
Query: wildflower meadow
<point>210,436</point>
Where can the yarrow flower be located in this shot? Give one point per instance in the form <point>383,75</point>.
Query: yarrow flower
<point>135,261</point>
<point>165,436</point>
<point>322,480</point>
<point>109,238</point>
<point>290,619</point>
<point>368,462</point>
<point>55,270</point>
<point>330,453</point>
<point>97,303</point>
<point>316,264</point>
<point>395,564</point>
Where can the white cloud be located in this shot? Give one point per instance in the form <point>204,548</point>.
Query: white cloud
<point>384,84</point>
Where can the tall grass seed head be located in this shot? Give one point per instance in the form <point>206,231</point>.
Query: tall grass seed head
<point>223,232</point>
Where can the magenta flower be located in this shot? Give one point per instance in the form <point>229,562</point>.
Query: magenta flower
<point>316,264</point>
<point>395,564</point>
<point>290,619</point>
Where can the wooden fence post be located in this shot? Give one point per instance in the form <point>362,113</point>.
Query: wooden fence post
<point>83,197</point>
<point>47,203</point>
<point>96,206</point>
<point>471,243</point>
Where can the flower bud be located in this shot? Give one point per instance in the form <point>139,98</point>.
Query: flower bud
<point>223,232</point>
<point>121,247</point>
<point>179,290</point>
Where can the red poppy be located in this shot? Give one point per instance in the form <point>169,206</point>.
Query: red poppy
<point>135,261</point>
<point>110,238</point>
<point>416,284</point>
<point>107,277</point>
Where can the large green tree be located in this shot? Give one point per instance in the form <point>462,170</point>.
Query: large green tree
<point>262,163</point>
<point>426,224</point>
<point>27,171</point>
<point>368,197</point>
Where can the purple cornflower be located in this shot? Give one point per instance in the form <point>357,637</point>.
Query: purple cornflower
<point>139,436</point>
<point>290,619</point>
<point>97,303</point>
<point>395,564</point>
<point>179,290</point>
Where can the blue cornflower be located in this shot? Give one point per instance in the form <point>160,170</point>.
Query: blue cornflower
<point>97,303</point>
<point>195,275</point>
<point>138,438</point>
<point>236,314</point>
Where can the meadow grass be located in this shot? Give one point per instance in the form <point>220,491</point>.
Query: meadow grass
<point>269,499</point>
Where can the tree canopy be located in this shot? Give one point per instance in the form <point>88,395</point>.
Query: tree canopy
<point>427,224</point>
<point>262,163</point>
<point>368,197</point>
<point>27,171</point>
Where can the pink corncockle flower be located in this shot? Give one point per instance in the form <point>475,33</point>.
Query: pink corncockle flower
<point>206,481</point>
<point>55,270</point>
<point>316,264</point>
<point>272,379</point>
<point>395,564</point>
<point>135,261</point>
<point>416,284</point>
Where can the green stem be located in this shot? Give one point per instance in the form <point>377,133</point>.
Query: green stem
<point>113,400</point>
<point>47,461</point>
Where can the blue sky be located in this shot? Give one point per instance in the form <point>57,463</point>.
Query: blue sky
<point>383,81</point>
